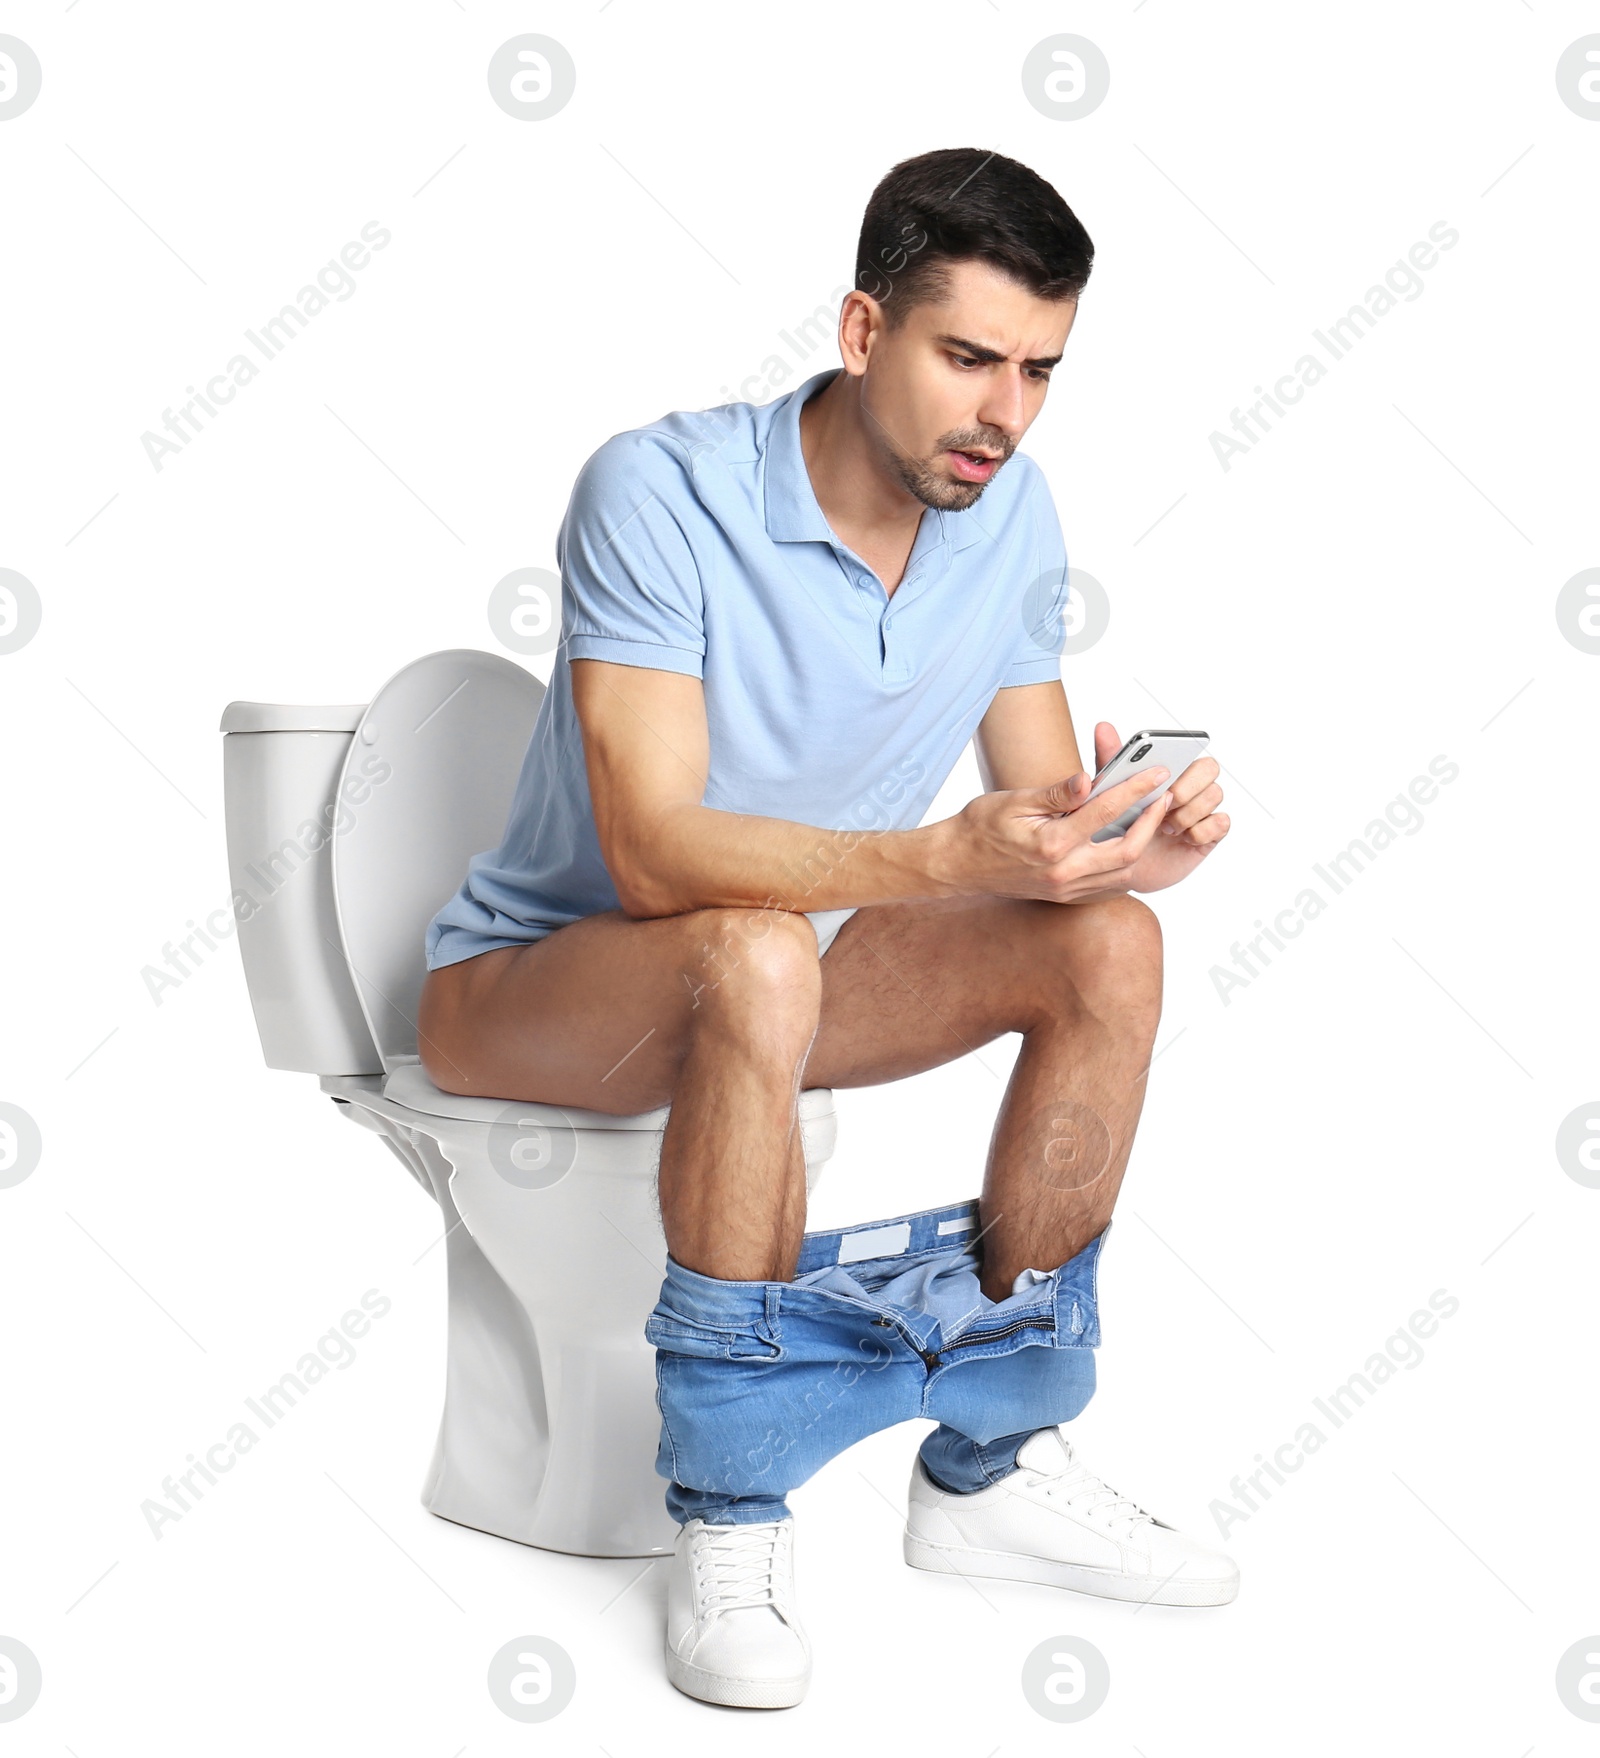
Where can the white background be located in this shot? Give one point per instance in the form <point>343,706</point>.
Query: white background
<point>1374,584</point>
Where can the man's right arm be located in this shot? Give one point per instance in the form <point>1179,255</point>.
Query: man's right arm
<point>647,754</point>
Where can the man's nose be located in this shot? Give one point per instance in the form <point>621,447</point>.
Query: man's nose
<point>1003,408</point>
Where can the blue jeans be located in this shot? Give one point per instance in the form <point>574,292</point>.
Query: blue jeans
<point>759,1384</point>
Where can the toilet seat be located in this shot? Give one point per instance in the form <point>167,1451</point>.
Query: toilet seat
<point>408,1084</point>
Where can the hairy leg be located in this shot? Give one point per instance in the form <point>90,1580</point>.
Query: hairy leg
<point>711,1012</point>
<point>722,1014</point>
<point>1081,982</point>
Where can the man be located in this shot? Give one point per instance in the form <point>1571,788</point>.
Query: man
<point>782,625</point>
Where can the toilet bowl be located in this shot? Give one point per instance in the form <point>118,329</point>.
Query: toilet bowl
<point>347,829</point>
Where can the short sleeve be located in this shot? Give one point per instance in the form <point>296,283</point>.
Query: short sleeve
<point>1042,630</point>
<point>630,589</point>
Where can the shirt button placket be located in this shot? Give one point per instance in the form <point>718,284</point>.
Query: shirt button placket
<point>895,668</point>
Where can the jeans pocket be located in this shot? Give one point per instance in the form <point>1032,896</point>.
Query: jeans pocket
<point>677,1336</point>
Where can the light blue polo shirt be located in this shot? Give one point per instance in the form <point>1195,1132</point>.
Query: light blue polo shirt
<point>696,545</point>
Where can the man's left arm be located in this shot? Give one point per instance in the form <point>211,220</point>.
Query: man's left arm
<point>1026,739</point>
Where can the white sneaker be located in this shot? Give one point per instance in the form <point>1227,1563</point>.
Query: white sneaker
<point>732,1632</point>
<point>1052,1521</point>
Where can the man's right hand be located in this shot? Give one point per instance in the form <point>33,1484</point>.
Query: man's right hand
<point>1034,841</point>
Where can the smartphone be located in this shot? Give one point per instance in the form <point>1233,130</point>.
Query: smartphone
<point>1176,750</point>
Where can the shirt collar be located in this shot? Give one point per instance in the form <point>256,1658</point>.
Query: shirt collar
<point>793,514</point>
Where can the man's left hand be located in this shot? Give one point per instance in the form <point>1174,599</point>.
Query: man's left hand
<point>1191,829</point>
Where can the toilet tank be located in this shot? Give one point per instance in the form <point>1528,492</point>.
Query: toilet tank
<point>280,776</point>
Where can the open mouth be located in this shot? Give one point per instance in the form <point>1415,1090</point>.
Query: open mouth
<point>973,466</point>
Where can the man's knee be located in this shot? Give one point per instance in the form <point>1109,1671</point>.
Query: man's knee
<point>1106,952</point>
<point>1122,928</point>
<point>761,965</point>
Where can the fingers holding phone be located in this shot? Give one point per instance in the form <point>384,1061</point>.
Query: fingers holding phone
<point>1193,801</point>
<point>1035,842</point>
<point>1175,752</point>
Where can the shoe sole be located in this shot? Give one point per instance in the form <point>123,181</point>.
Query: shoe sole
<point>709,1687</point>
<point>996,1565</point>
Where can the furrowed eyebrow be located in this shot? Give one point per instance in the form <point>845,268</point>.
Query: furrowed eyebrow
<point>989,355</point>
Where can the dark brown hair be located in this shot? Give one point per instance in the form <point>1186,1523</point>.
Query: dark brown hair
<point>961,204</point>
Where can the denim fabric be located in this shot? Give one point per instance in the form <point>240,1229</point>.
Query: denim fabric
<point>759,1384</point>
<point>961,1465</point>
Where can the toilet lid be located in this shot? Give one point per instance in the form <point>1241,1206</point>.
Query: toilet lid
<point>427,784</point>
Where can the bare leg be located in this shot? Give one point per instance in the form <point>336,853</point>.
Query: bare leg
<point>718,1014</point>
<point>732,1184</point>
<point>1082,982</point>
<point>711,1012</point>
<point>1064,1133</point>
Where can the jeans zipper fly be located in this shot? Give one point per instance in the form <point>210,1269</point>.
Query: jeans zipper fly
<point>930,1357</point>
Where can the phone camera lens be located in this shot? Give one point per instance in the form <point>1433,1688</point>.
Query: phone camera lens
<point>1143,751</point>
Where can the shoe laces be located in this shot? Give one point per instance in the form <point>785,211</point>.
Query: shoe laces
<point>737,1566</point>
<point>1079,1488</point>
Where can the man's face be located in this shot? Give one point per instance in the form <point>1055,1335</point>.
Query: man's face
<point>967,374</point>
